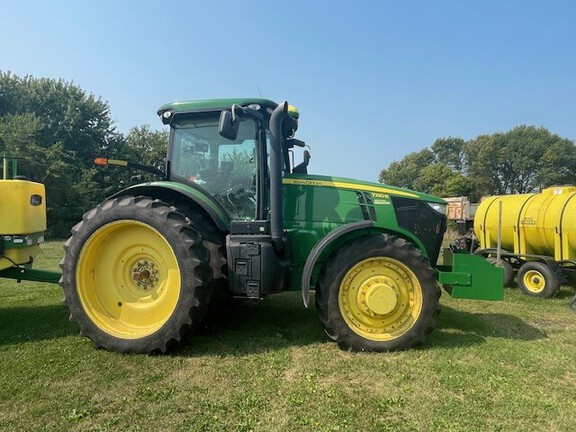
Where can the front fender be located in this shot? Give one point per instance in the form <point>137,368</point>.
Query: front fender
<point>321,247</point>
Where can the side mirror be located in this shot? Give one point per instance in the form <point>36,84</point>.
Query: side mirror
<point>302,168</point>
<point>306,157</point>
<point>228,127</point>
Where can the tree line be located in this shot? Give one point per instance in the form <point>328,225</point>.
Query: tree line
<point>58,129</point>
<point>524,159</point>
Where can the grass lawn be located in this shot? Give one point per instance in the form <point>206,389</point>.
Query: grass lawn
<point>267,366</point>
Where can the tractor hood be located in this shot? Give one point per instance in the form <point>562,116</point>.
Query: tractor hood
<point>357,185</point>
<point>320,201</point>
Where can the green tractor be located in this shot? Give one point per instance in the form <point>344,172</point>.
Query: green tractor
<point>234,216</point>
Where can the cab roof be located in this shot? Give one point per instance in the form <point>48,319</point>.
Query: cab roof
<point>212,105</point>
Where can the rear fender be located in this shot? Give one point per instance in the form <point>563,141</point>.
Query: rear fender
<point>171,191</point>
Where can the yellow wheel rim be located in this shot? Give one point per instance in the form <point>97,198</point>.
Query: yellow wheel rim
<point>128,279</point>
<point>380,298</point>
<point>534,281</point>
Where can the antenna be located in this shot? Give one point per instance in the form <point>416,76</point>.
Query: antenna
<point>259,92</point>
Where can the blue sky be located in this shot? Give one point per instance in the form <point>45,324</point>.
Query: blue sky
<point>373,80</point>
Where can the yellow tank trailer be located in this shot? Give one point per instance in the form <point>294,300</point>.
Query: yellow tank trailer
<point>537,235</point>
<point>22,224</point>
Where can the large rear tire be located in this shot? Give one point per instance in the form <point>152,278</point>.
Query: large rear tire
<point>378,293</point>
<point>215,241</point>
<point>136,275</point>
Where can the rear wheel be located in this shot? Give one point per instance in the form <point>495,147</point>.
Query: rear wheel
<point>378,293</point>
<point>537,280</point>
<point>215,241</point>
<point>136,275</point>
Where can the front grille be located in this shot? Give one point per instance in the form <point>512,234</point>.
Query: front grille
<point>428,225</point>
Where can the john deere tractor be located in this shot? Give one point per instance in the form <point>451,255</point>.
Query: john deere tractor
<point>233,215</point>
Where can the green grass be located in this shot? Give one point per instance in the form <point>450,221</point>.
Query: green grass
<point>489,366</point>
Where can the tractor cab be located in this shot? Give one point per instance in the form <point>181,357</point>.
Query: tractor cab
<point>225,169</point>
<point>224,147</point>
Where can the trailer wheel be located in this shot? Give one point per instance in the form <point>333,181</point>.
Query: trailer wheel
<point>537,280</point>
<point>378,293</point>
<point>135,275</point>
<point>508,270</point>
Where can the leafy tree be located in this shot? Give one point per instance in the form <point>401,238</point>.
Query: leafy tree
<point>432,171</point>
<point>80,121</point>
<point>61,128</point>
<point>450,151</point>
<point>147,147</point>
<point>142,146</point>
<point>439,179</point>
<point>459,185</point>
<point>558,163</point>
<point>406,172</point>
<point>18,133</point>
<point>521,160</point>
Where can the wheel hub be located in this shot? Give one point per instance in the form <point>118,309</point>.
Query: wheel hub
<point>144,274</point>
<point>379,296</point>
<point>534,281</point>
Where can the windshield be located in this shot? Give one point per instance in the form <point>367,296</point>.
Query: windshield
<point>226,169</point>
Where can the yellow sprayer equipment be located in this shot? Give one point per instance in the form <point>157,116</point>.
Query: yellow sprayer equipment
<point>538,236</point>
<point>21,233</point>
<point>22,223</point>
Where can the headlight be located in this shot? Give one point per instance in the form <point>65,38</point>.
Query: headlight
<point>439,207</point>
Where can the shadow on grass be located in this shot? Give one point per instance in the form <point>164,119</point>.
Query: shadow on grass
<point>565,291</point>
<point>26,324</point>
<point>277,322</point>
<point>459,328</point>
<point>282,321</point>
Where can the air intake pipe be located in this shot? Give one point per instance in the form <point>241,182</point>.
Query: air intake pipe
<point>279,122</point>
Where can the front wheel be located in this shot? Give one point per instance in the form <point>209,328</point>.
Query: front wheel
<point>378,293</point>
<point>135,275</point>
